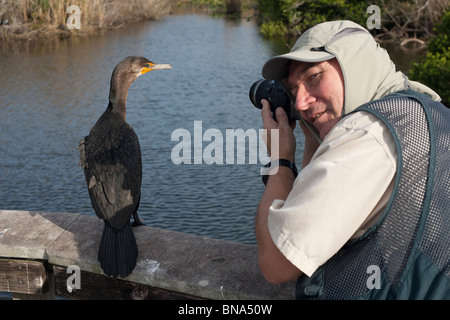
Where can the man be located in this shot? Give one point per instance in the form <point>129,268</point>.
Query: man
<point>368,216</point>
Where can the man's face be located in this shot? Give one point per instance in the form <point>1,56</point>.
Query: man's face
<point>318,89</point>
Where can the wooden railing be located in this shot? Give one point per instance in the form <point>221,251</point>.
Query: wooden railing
<point>49,254</point>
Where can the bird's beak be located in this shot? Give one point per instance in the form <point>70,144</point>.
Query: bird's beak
<point>155,66</point>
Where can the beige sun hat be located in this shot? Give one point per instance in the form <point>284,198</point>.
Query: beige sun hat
<point>307,48</point>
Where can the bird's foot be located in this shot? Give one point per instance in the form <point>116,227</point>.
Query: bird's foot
<point>137,222</point>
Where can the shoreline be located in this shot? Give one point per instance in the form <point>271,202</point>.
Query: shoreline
<point>35,26</point>
<point>31,31</point>
<point>31,21</point>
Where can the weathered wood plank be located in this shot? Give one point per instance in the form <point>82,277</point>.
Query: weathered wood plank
<point>46,295</point>
<point>99,287</point>
<point>23,276</point>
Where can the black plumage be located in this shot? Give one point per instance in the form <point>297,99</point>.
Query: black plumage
<point>111,158</point>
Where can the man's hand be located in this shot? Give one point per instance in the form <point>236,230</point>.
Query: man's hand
<point>286,141</point>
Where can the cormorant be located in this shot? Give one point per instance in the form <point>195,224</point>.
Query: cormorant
<point>111,158</point>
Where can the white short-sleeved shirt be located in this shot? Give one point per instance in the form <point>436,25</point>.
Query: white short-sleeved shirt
<point>339,195</point>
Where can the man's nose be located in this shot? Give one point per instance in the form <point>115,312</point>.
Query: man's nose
<point>303,98</point>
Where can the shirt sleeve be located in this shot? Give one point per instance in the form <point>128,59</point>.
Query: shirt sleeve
<point>334,195</point>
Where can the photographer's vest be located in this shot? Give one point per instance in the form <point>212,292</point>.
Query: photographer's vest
<point>405,255</point>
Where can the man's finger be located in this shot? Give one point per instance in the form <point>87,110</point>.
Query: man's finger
<point>282,118</point>
<point>267,115</point>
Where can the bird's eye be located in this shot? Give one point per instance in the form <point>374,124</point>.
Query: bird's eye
<point>147,65</point>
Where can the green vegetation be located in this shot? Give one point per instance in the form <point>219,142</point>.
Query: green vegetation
<point>434,69</point>
<point>215,6</point>
<point>237,9</point>
<point>289,18</point>
<point>399,18</point>
<point>278,18</point>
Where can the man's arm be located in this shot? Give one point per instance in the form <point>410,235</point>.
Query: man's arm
<point>275,267</point>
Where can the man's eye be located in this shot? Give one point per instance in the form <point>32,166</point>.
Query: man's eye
<point>314,76</point>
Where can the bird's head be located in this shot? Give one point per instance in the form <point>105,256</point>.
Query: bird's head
<point>137,66</point>
<point>125,72</point>
<point>145,65</point>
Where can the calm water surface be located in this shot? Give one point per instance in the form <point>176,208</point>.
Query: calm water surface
<point>50,97</point>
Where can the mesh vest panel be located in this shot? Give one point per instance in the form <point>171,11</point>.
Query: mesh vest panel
<point>417,216</point>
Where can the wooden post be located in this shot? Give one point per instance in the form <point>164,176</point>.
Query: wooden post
<point>102,287</point>
<point>26,279</point>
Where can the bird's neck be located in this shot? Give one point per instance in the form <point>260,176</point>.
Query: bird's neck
<point>118,94</point>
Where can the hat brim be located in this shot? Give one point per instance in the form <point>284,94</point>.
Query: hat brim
<point>277,68</point>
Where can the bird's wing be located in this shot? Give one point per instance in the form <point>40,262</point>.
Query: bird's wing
<point>113,174</point>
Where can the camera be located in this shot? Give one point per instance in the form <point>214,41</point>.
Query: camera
<point>276,94</point>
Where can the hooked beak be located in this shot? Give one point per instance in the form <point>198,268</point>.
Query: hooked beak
<point>155,66</point>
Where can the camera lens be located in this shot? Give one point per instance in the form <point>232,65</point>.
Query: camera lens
<point>276,94</point>
<point>255,94</point>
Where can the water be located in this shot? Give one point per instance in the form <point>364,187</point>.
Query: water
<point>51,95</point>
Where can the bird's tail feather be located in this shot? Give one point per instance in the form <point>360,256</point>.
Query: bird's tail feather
<point>118,250</point>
